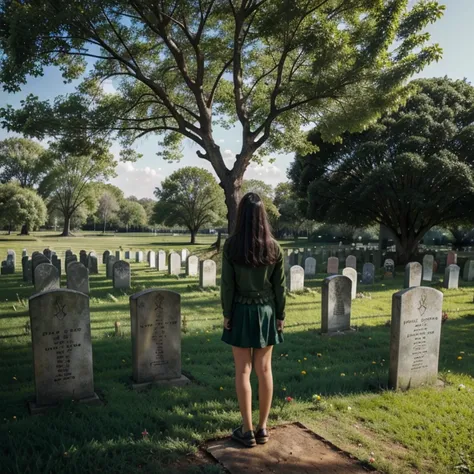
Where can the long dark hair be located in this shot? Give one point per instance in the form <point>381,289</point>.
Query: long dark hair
<point>252,242</point>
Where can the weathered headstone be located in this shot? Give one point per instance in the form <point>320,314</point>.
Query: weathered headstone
<point>156,338</point>
<point>451,276</point>
<point>110,267</point>
<point>452,258</point>
<point>415,337</point>
<point>78,278</point>
<point>46,277</point>
<point>70,259</point>
<point>296,279</point>
<point>310,267</point>
<point>92,264</point>
<point>368,274</point>
<point>62,350</point>
<point>161,260</point>
<point>174,263</point>
<point>192,266</point>
<point>122,277</point>
<point>139,256</point>
<point>413,272</point>
<point>11,256</point>
<point>68,253</point>
<point>468,273</point>
<point>351,273</point>
<point>333,266</point>
<point>336,304</point>
<point>152,259</point>
<point>389,268</point>
<point>351,262</point>
<point>105,256</point>
<point>428,261</point>
<point>37,260</point>
<point>207,273</point>
<point>83,257</point>
<point>47,253</point>
<point>184,255</point>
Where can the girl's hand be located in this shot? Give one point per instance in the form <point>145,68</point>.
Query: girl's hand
<point>227,324</point>
<point>280,325</point>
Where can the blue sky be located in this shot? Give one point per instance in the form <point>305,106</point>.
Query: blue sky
<point>454,32</point>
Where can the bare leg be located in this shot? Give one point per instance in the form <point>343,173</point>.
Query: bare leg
<point>262,361</point>
<point>243,369</point>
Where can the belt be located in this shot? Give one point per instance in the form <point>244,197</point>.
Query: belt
<point>254,297</point>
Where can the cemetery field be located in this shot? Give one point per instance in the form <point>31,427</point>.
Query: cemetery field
<point>337,385</point>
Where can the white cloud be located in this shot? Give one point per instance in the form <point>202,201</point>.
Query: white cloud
<point>266,172</point>
<point>136,181</point>
<point>229,158</point>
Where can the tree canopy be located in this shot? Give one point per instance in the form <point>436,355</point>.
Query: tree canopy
<point>410,171</point>
<point>189,197</point>
<point>182,67</point>
<point>132,213</point>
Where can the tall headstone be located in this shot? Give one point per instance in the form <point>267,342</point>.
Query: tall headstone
<point>351,262</point>
<point>139,256</point>
<point>468,273</point>
<point>296,279</point>
<point>83,257</point>
<point>192,266</point>
<point>151,259</point>
<point>428,263</point>
<point>451,277</point>
<point>174,263</point>
<point>62,349</point>
<point>333,266</point>
<point>415,337</point>
<point>110,266</point>
<point>452,258</point>
<point>161,260</point>
<point>368,274</point>
<point>92,264</point>
<point>351,273</point>
<point>207,273</point>
<point>37,260</point>
<point>105,256</point>
<point>122,277</point>
<point>156,338</point>
<point>70,259</point>
<point>78,278</point>
<point>413,272</point>
<point>336,304</point>
<point>46,277</point>
<point>184,255</point>
<point>310,267</point>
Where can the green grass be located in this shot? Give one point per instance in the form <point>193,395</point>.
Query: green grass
<point>423,430</point>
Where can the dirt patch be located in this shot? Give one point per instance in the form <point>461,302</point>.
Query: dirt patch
<point>292,449</point>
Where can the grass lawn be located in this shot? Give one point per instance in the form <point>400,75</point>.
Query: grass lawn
<point>424,430</point>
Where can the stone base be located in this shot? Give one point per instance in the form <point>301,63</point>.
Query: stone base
<point>179,382</point>
<point>339,333</point>
<point>36,409</point>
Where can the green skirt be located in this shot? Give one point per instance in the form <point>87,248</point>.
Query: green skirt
<point>253,325</point>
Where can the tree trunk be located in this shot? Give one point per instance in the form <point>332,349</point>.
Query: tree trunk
<point>67,227</point>
<point>407,246</point>
<point>24,230</point>
<point>105,225</point>
<point>193,237</point>
<point>233,194</point>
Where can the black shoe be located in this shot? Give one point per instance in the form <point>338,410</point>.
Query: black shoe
<point>247,439</point>
<point>261,436</point>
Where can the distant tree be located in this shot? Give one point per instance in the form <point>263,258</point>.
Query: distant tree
<point>149,206</point>
<point>189,197</point>
<point>21,206</point>
<point>131,213</point>
<point>69,185</point>
<point>291,217</point>
<point>108,206</point>
<point>410,171</point>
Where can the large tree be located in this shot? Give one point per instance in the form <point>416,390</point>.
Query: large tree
<point>132,213</point>
<point>20,207</point>
<point>412,170</point>
<point>108,207</point>
<point>191,198</point>
<point>182,67</point>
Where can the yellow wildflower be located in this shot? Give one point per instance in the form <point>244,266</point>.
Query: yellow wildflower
<point>303,372</point>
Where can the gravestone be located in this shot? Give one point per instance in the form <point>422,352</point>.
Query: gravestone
<point>413,272</point>
<point>184,255</point>
<point>78,278</point>
<point>47,253</point>
<point>452,258</point>
<point>24,267</point>
<point>139,256</point>
<point>37,260</point>
<point>110,267</point>
<point>415,337</point>
<point>122,276</point>
<point>174,263</point>
<point>389,268</point>
<point>296,279</point>
<point>468,273</point>
<point>351,262</point>
<point>428,263</point>
<point>68,253</point>
<point>336,304</point>
<point>46,277</point>
<point>192,266</point>
<point>105,256</point>
<point>207,273</point>
<point>351,273</point>
<point>11,256</point>
<point>161,260</point>
<point>451,277</point>
<point>7,267</point>
<point>62,350</point>
<point>83,257</point>
<point>151,259</point>
<point>57,263</point>
<point>148,254</point>
<point>118,255</point>
<point>310,267</point>
<point>333,266</point>
<point>156,338</point>
<point>70,259</point>
<point>24,253</point>
<point>368,274</point>
<point>92,265</point>
<point>29,271</point>
<point>127,254</point>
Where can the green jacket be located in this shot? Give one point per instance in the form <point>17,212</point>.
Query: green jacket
<point>243,284</point>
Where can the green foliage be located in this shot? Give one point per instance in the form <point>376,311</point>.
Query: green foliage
<point>132,213</point>
<point>20,206</point>
<point>23,161</point>
<point>286,201</point>
<point>410,171</point>
<point>191,198</point>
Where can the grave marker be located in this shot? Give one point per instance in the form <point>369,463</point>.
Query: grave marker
<point>428,262</point>
<point>468,273</point>
<point>413,272</point>
<point>78,278</point>
<point>368,274</point>
<point>174,263</point>
<point>351,273</point>
<point>336,304</point>
<point>451,277</point>
<point>310,267</point>
<point>110,267</point>
<point>139,256</point>
<point>92,264</point>
<point>46,277</point>
<point>151,259</point>
<point>351,262</point>
<point>296,279</point>
<point>161,260</point>
<point>452,258</point>
<point>192,266</point>
<point>333,266</point>
<point>121,275</point>
<point>207,273</point>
